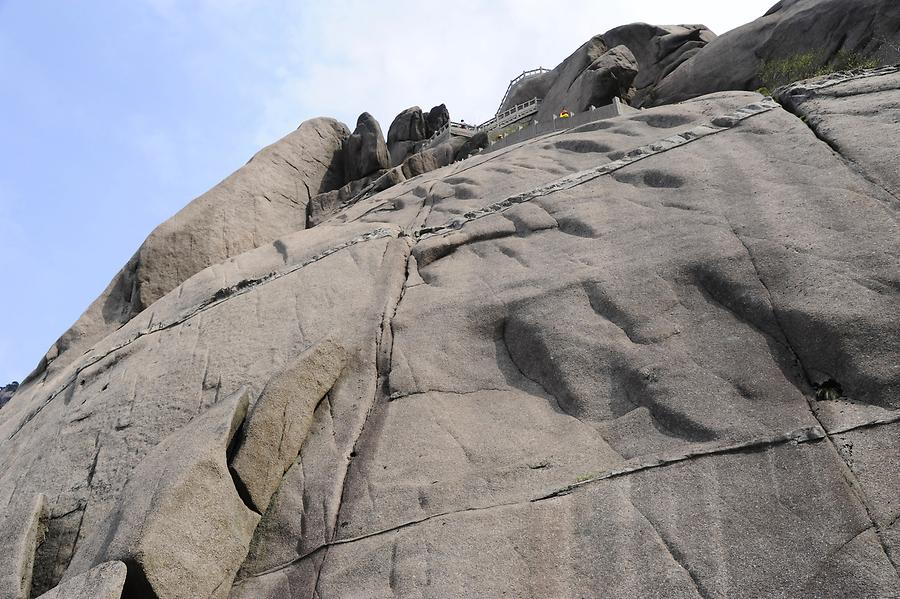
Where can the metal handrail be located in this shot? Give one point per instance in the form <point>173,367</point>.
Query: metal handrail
<point>451,125</point>
<point>524,75</point>
<point>511,115</point>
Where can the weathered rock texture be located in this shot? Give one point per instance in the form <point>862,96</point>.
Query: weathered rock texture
<point>324,205</point>
<point>593,75</point>
<point>281,420</point>
<point>105,581</point>
<point>823,27</point>
<point>641,55</point>
<point>365,151</point>
<point>264,199</point>
<point>658,50</point>
<point>411,127</point>
<point>180,525</point>
<point>436,118</point>
<point>655,356</point>
<point>22,528</point>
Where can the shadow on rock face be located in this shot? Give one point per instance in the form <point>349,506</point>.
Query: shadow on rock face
<point>650,178</point>
<point>662,120</point>
<point>579,352</point>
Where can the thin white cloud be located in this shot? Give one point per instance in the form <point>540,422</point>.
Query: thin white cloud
<point>384,57</point>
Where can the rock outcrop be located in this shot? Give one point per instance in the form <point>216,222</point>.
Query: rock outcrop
<point>436,118</point>
<point>23,525</point>
<point>7,392</point>
<point>659,50</point>
<point>105,581</point>
<point>180,525</point>
<point>407,131</point>
<point>822,28</point>
<point>433,158</point>
<point>365,151</point>
<point>411,127</point>
<point>592,75</point>
<point>323,206</point>
<point>473,145</point>
<point>641,55</point>
<point>264,199</point>
<point>651,356</point>
<point>535,86</point>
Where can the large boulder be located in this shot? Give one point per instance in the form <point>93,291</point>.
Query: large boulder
<point>105,581</point>
<point>409,125</point>
<point>281,420</point>
<point>655,51</point>
<point>264,199</point>
<point>592,75</point>
<point>324,205</point>
<point>435,119</point>
<point>433,158</point>
<point>658,50</point>
<point>23,525</point>
<point>533,86</point>
<point>365,150</point>
<point>473,145</point>
<point>181,525</point>
<point>610,76</point>
<point>808,31</point>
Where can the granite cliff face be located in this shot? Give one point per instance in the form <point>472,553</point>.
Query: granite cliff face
<point>656,355</point>
<point>823,28</point>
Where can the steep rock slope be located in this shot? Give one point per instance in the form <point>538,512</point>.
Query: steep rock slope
<point>659,50</point>
<point>259,202</point>
<point>656,50</point>
<point>593,74</point>
<point>824,27</point>
<point>653,356</point>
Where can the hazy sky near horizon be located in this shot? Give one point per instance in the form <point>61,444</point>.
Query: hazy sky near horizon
<point>116,114</point>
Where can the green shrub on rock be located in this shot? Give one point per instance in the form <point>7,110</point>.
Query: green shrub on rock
<point>805,65</point>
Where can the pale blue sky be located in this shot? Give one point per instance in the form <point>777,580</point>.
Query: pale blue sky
<point>116,113</point>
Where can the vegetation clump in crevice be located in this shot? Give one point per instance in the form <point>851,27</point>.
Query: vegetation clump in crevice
<point>774,73</point>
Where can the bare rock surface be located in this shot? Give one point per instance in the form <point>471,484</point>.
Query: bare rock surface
<point>791,27</point>
<point>105,581</point>
<point>652,53</point>
<point>281,419</point>
<point>653,356</point>
<point>412,127</point>
<point>180,527</point>
<point>22,528</point>
<point>365,151</point>
<point>659,50</point>
<point>436,118</point>
<point>324,205</point>
<point>264,199</point>
<point>593,74</point>
<point>857,117</point>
